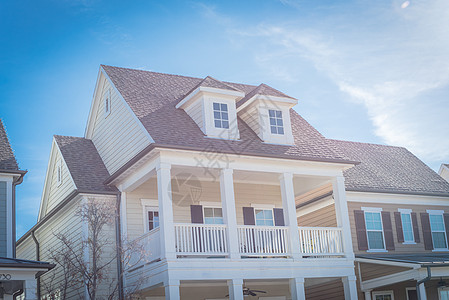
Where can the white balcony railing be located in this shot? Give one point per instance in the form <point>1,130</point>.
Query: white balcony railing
<point>201,239</point>
<point>263,240</point>
<point>321,241</point>
<point>146,248</point>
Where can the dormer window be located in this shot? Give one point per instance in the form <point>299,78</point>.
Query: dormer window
<point>221,117</point>
<point>276,124</point>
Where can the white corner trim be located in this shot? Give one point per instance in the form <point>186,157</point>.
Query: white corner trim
<point>211,204</point>
<point>405,210</point>
<point>434,212</point>
<point>371,209</point>
<point>149,202</point>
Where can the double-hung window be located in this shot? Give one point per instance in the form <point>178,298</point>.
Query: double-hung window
<point>438,229</point>
<point>264,217</point>
<point>152,218</point>
<point>385,295</point>
<point>221,116</point>
<point>213,215</point>
<point>276,123</point>
<point>407,227</point>
<point>374,229</point>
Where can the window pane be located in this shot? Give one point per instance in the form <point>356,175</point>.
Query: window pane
<point>375,240</point>
<point>218,212</point>
<point>260,222</point>
<point>279,122</point>
<point>278,114</point>
<point>407,227</point>
<point>268,214</point>
<point>272,113</point>
<point>436,222</point>
<point>217,123</point>
<point>224,116</point>
<point>208,212</point>
<point>219,220</point>
<point>224,107</point>
<point>259,214</point>
<point>273,129</point>
<point>208,220</point>
<point>280,130</point>
<point>439,240</point>
<point>272,121</point>
<point>225,124</point>
<point>216,106</point>
<point>216,114</point>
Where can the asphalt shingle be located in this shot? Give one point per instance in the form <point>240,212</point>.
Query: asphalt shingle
<point>84,163</point>
<point>7,158</point>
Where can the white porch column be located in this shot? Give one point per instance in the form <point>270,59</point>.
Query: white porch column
<point>422,292</point>
<point>235,289</point>
<point>350,287</point>
<point>368,295</point>
<point>29,289</point>
<point>167,230</point>
<point>172,290</point>
<point>297,289</point>
<point>289,205</point>
<point>229,213</point>
<point>341,211</point>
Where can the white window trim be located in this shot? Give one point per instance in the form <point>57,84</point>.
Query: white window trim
<point>107,108</point>
<point>263,207</point>
<point>383,293</point>
<point>439,213</point>
<point>407,211</point>
<point>409,289</point>
<point>148,205</point>
<point>59,172</point>
<point>375,210</point>
<point>211,204</point>
<point>443,288</point>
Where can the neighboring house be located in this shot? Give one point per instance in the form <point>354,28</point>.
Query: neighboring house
<point>399,213</point>
<point>17,276</point>
<point>444,171</point>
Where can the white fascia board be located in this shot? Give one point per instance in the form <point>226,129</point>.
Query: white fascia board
<point>397,199</point>
<point>388,263</point>
<point>312,207</point>
<point>93,106</point>
<point>284,100</point>
<point>389,279</point>
<point>187,99</point>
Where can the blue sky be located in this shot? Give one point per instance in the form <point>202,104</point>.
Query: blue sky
<point>371,71</point>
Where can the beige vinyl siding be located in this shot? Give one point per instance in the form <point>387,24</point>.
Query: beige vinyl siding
<point>119,136</point>
<point>58,192</point>
<point>399,289</point>
<point>252,119</point>
<point>329,290</point>
<point>399,247</point>
<point>324,217</point>
<point>371,271</point>
<point>195,111</point>
<point>245,195</point>
<point>322,190</point>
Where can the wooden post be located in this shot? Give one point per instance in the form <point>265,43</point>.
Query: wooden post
<point>289,205</point>
<point>229,213</point>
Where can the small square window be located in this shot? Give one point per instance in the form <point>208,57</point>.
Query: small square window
<point>276,123</point>
<point>221,117</point>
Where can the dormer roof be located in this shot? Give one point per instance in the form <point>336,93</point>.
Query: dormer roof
<point>7,158</point>
<point>263,90</point>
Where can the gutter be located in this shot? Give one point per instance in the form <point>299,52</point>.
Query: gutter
<point>422,281</point>
<point>118,239</point>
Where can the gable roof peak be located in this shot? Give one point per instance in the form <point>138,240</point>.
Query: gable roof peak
<point>7,158</point>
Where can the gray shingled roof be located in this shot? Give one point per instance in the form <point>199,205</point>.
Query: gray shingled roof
<point>389,169</point>
<point>7,158</point>
<point>84,163</point>
<point>153,96</point>
<point>262,89</point>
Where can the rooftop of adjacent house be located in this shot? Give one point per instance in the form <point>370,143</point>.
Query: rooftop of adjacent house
<point>22,263</point>
<point>389,169</point>
<point>7,158</point>
<point>427,259</point>
<point>153,96</point>
<point>84,163</point>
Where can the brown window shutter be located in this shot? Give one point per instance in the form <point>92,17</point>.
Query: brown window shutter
<point>415,227</point>
<point>446,224</point>
<point>426,231</point>
<point>278,217</point>
<point>360,227</point>
<point>398,221</point>
<point>248,216</point>
<point>196,214</point>
<point>388,230</point>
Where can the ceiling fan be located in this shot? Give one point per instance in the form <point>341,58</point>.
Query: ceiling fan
<point>249,292</point>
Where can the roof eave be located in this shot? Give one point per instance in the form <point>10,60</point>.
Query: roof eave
<point>190,96</point>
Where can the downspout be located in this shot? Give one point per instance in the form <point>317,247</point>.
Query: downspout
<point>429,276</point>
<point>118,239</point>
<point>38,257</point>
<point>14,184</point>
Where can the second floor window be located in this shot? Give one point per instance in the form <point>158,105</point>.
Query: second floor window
<point>374,230</point>
<point>221,117</point>
<point>438,231</point>
<point>264,217</point>
<point>276,123</point>
<point>152,218</point>
<point>213,215</point>
<point>407,227</point>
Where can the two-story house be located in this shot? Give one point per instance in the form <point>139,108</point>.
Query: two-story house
<point>399,214</point>
<point>207,175</point>
<point>17,276</point>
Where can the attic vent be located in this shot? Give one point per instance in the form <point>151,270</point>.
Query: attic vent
<point>107,103</point>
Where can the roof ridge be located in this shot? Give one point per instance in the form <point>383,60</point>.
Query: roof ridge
<point>161,73</point>
<point>372,144</point>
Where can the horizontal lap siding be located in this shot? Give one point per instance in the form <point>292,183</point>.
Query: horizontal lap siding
<point>251,118</point>
<point>195,111</point>
<point>3,220</point>
<point>119,136</point>
<point>318,192</point>
<point>324,217</point>
<point>371,271</point>
<point>329,290</point>
<point>399,247</point>
<point>57,192</point>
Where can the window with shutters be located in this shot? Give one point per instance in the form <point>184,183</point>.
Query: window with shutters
<point>407,226</point>
<point>374,229</point>
<point>438,229</point>
<point>383,295</point>
<point>213,215</point>
<point>264,217</point>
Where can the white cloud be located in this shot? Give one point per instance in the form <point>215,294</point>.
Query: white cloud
<point>390,59</point>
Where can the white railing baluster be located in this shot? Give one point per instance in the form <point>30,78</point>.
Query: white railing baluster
<point>321,241</point>
<point>262,240</point>
<point>201,239</point>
